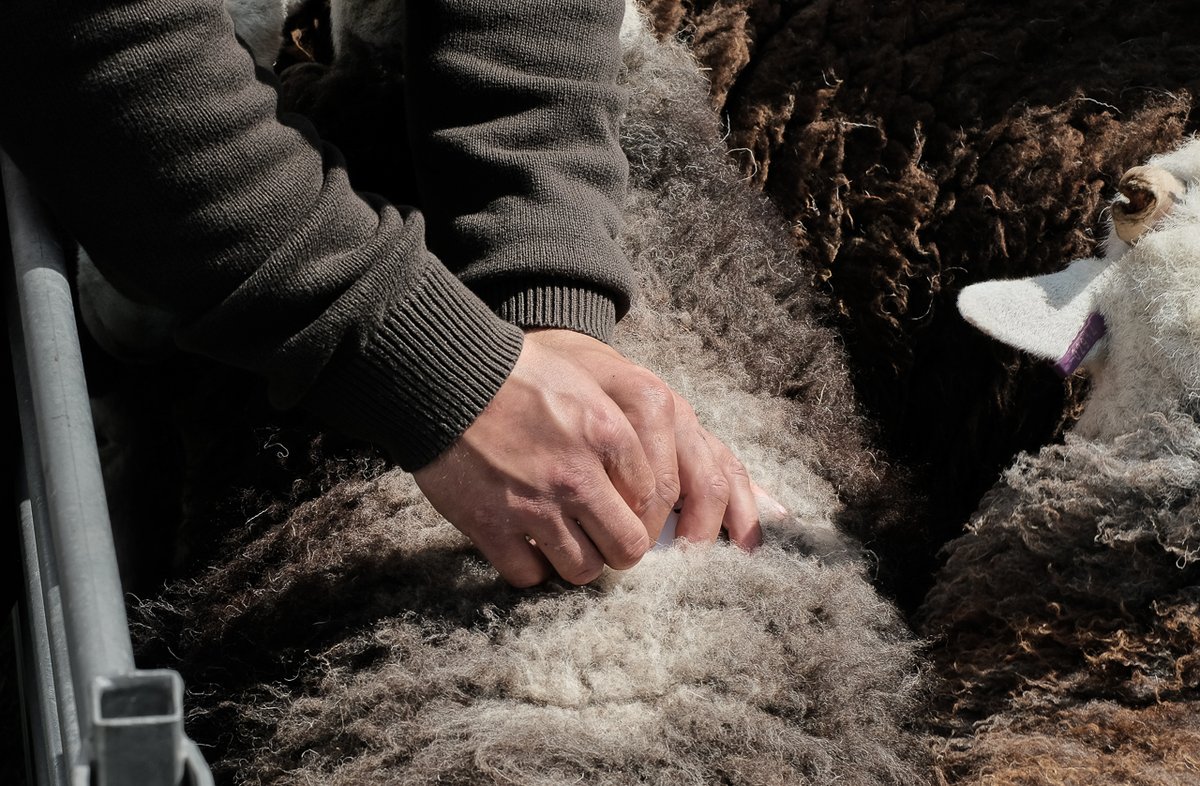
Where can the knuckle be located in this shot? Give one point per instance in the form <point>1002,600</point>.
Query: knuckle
<point>737,470</point>
<point>668,487</point>
<point>602,429</point>
<point>629,549</point>
<point>562,481</point>
<point>583,573</point>
<point>663,491</point>
<point>567,478</point>
<point>524,577</point>
<point>656,397</point>
<point>647,496</point>
<point>575,484</point>
<point>718,488</point>
<point>520,514</point>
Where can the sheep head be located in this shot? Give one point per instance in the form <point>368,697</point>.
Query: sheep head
<point>1132,316</point>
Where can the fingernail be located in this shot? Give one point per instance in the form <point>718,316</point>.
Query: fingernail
<point>780,511</point>
<point>766,501</point>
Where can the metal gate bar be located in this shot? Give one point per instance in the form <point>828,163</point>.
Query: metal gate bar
<point>92,716</point>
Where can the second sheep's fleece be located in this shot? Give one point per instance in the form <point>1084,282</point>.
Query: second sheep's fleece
<point>346,634</point>
<point>919,147</point>
<point>1068,613</point>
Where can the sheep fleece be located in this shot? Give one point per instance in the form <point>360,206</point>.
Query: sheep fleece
<point>358,638</point>
<point>1075,589</point>
<point>698,666</point>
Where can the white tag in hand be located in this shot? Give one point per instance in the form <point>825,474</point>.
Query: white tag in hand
<point>667,536</point>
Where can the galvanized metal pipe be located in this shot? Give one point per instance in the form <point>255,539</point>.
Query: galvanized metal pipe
<point>99,721</point>
<point>46,624</point>
<point>93,603</point>
<point>51,762</point>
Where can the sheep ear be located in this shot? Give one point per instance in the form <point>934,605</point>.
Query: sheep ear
<point>1051,316</point>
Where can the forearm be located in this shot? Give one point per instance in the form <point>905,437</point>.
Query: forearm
<point>143,126</point>
<point>514,109</point>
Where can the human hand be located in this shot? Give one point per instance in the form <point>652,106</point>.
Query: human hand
<point>693,468</point>
<point>573,466</point>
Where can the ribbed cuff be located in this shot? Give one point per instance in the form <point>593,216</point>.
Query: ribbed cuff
<point>548,305</point>
<point>431,366</point>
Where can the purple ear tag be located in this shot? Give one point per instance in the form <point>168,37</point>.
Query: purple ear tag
<point>1092,331</point>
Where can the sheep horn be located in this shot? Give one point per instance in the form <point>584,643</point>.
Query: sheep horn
<point>1147,195</point>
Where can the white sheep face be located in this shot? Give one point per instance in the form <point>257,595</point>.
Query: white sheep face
<point>1132,317</point>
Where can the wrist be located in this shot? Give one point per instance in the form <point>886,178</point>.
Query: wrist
<point>432,364</point>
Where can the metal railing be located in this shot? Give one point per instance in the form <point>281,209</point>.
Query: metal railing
<point>92,718</point>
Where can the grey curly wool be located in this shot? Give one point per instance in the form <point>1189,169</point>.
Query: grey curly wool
<point>698,666</point>
<point>1077,582</point>
<point>723,256</point>
<point>711,245</point>
<point>359,639</point>
<point>702,243</point>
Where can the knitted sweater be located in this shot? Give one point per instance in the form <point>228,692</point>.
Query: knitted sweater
<point>144,126</point>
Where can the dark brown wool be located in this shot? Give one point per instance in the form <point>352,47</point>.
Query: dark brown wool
<point>1095,744</point>
<point>917,147</point>
<point>1078,582</point>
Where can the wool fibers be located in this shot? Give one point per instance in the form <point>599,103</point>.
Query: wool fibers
<point>1077,582</point>
<point>710,246</point>
<point>398,656</point>
<point>725,258</point>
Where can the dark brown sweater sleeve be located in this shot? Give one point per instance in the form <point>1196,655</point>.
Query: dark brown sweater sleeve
<point>142,123</point>
<point>521,98</point>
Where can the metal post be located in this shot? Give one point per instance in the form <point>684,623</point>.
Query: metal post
<point>46,624</point>
<point>93,603</point>
<point>116,725</point>
<point>36,665</point>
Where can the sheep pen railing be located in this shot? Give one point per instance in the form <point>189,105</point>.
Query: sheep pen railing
<point>91,716</point>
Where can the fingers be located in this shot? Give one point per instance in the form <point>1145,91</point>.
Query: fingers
<point>571,553</point>
<point>530,550</point>
<point>649,406</point>
<point>717,492</point>
<point>618,534</point>
<point>705,487</point>
<point>578,462</point>
<point>741,515</point>
<point>775,508</point>
<point>518,561</point>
